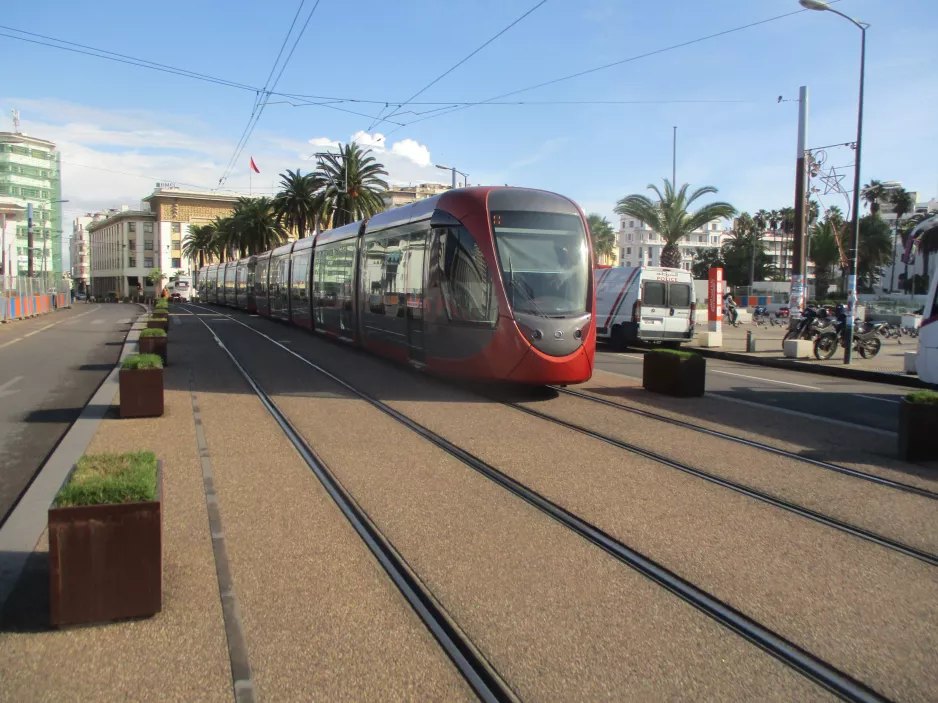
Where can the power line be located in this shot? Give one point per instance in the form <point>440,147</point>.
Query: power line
<point>458,64</point>
<point>121,58</point>
<point>608,65</point>
<point>264,96</point>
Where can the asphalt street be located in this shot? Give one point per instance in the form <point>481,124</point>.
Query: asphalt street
<point>873,405</point>
<point>50,367</point>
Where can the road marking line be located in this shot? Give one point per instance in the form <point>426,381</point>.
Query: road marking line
<point>5,388</point>
<point>766,380</point>
<point>873,397</point>
<point>42,329</point>
<point>798,413</point>
<point>12,341</point>
<point>98,322</point>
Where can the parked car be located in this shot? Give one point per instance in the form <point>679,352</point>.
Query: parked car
<point>79,296</point>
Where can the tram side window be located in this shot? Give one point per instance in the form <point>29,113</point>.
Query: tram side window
<point>260,278</point>
<point>464,276</point>
<point>345,261</point>
<point>300,277</point>
<point>392,277</point>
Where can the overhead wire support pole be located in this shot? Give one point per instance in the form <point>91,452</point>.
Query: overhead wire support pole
<point>674,159</point>
<point>798,269</point>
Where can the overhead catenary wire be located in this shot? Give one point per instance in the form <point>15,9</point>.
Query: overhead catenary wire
<point>459,63</point>
<point>262,97</point>
<point>613,64</point>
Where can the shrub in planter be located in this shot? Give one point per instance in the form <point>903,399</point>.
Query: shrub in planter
<point>918,426</point>
<point>105,540</point>
<point>674,372</point>
<point>153,341</point>
<point>141,386</point>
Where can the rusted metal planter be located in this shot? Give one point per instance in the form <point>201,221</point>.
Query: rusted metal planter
<point>106,561</point>
<point>153,345</point>
<point>918,429</point>
<point>669,374</point>
<point>158,323</point>
<point>141,392</point>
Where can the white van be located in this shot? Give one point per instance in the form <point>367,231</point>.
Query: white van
<point>927,358</point>
<point>644,303</point>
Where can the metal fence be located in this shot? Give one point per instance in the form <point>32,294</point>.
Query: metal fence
<point>22,296</point>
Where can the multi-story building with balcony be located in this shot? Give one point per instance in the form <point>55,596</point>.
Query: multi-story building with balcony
<point>638,245</point>
<point>405,195</point>
<point>30,176</point>
<point>175,210</point>
<point>79,251</point>
<point>124,248</point>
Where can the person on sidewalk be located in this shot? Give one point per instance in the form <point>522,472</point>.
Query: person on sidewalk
<point>729,307</point>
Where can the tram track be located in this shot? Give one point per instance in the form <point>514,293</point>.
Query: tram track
<point>829,466</point>
<point>799,659</point>
<point>471,664</point>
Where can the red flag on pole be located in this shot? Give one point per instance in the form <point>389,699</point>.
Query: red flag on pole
<point>254,166</point>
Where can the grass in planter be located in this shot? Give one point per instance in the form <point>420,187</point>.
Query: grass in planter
<point>142,362</point>
<point>153,332</point>
<point>103,479</point>
<point>680,353</point>
<point>923,397</point>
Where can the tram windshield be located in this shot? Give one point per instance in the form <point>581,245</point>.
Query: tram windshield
<point>544,260</point>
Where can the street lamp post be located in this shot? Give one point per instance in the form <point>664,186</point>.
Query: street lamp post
<point>451,168</point>
<point>852,276</point>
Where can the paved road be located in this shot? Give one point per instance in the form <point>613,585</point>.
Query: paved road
<point>49,367</point>
<point>868,404</point>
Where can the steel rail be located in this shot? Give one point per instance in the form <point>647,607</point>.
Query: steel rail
<point>812,667</point>
<point>855,473</point>
<point>471,664</point>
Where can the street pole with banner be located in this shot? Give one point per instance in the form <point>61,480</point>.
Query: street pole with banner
<point>29,239</point>
<point>715,307</point>
<point>798,268</point>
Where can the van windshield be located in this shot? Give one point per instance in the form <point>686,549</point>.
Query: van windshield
<point>544,260</point>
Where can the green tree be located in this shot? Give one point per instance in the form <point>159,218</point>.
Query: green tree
<point>352,184</point>
<point>706,259</point>
<point>223,238</point>
<point>155,278</point>
<point>255,228</point>
<point>875,250</point>
<point>874,193</point>
<point>198,244</point>
<point>669,216</point>
<point>603,237</point>
<point>825,253</point>
<point>299,201</point>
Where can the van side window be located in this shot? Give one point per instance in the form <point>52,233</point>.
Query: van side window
<point>679,295</point>
<point>653,293</point>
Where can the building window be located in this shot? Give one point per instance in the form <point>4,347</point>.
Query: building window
<point>132,263</point>
<point>148,262</point>
<point>631,223</point>
<point>713,227</point>
<point>148,244</point>
<point>177,244</point>
<point>177,262</point>
<point>628,251</point>
<point>629,236</point>
<point>148,227</point>
<point>714,240</point>
<point>131,226</point>
<point>176,228</point>
<point>132,244</point>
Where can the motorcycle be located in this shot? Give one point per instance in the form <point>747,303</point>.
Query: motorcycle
<point>812,323</point>
<point>865,339</point>
<point>731,315</point>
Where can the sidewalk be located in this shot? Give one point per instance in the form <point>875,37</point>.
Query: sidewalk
<point>290,606</point>
<point>890,362</point>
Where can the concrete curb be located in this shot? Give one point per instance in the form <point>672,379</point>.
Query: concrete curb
<point>893,379</point>
<point>25,525</point>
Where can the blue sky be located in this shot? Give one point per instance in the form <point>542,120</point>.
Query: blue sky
<point>732,132</point>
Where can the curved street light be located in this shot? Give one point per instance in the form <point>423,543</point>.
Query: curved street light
<point>852,273</point>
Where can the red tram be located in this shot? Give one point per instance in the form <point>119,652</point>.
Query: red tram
<point>486,283</point>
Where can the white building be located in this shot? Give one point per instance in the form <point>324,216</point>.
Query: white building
<point>124,250</point>
<point>889,281</point>
<point>80,253</point>
<point>638,245</point>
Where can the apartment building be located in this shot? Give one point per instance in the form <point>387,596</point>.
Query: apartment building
<point>124,249</point>
<point>405,195</point>
<point>638,245</point>
<point>79,251</point>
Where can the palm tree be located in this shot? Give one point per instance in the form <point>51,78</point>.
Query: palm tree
<point>602,236</point>
<point>875,250</point>
<point>874,192</point>
<point>669,216</point>
<point>255,226</point>
<point>786,223</point>
<point>825,253</point>
<point>198,244</point>
<point>298,203</point>
<point>223,238</point>
<point>352,184</point>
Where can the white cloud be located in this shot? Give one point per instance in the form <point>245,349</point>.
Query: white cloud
<point>406,161</point>
<point>412,150</point>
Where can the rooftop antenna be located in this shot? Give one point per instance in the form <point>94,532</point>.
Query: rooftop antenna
<point>16,121</point>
